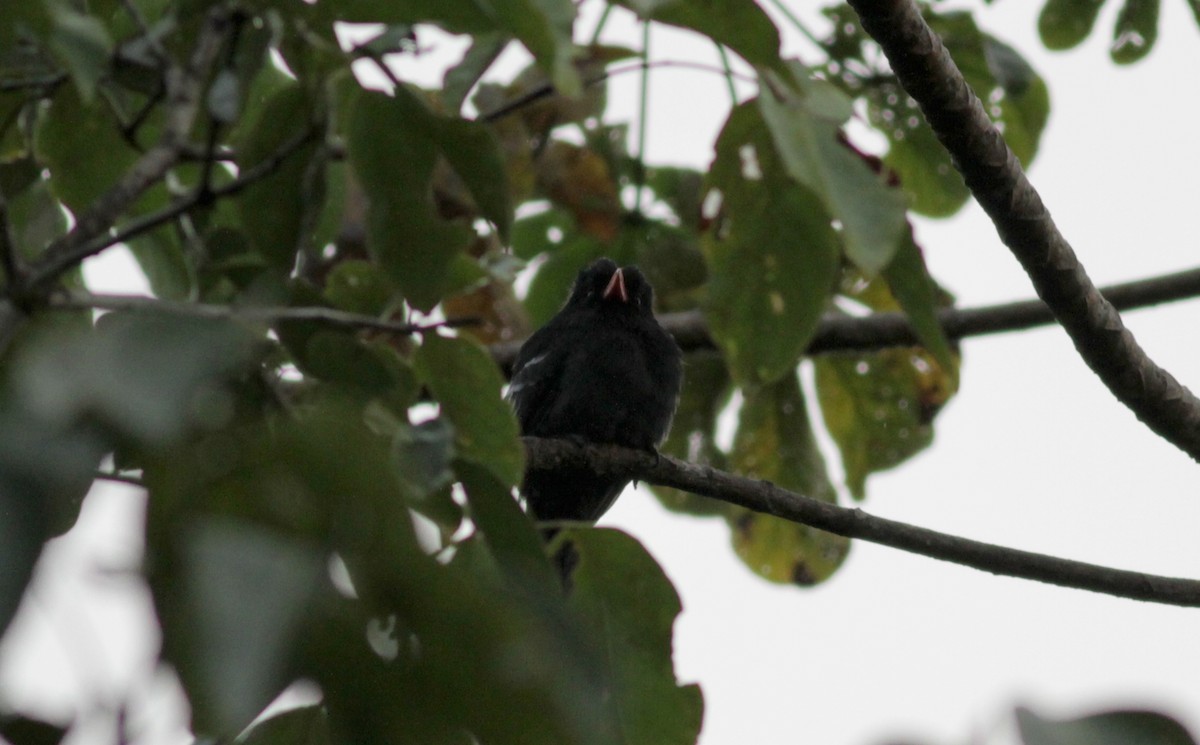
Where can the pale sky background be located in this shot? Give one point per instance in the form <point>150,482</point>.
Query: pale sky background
<point>1032,453</point>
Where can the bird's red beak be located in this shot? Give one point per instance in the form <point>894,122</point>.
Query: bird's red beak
<point>616,288</point>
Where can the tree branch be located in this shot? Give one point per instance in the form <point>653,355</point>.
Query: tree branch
<point>994,175</point>
<point>764,497</point>
<point>44,273</point>
<point>842,333</point>
<point>10,259</point>
<point>184,88</point>
<point>269,315</point>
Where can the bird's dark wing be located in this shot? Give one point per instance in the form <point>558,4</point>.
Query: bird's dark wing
<point>535,380</point>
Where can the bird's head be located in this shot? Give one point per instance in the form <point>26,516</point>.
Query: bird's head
<point>605,286</point>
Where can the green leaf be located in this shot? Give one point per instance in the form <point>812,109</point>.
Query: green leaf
<point>671,259</point>
<point>149,377</point>
<point>422,455</point>
<point>511,536</point>
<point>872,213</point>
<point>541,232</point>
<point>277,211</point>
<point>393,152</point>
<point>741,26</point>
<point>83,148</point>
<point>925,169</point>
<point>474,153</point>
<point>162,260</point>
<point>460,79</point>
<point>36,219</point>
<point>1135,32</point>
<point>44,474</point>
<point>772,258</point>
<point>775,442</point>
<point>466,383</point>
<point>1066,23</point>
<point>1025,105</point>
<point>307,725</point>
<point>629,607</point>
<point>340,356</point>
<point>245,595</point>
<point>908,279</point>
<point>1107,728</point>
<point>681,189</point>
<point>879,407</point>
<point>359,286</point>
<point>706,390</point>
<point>1014,94</point>
<point>544,27</point>
<point>81,44</point>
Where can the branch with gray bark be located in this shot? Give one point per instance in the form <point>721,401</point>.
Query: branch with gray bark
<point>994,175</point>
<point>184,85</point>
<point>764,497</point>
<point>843,333</point>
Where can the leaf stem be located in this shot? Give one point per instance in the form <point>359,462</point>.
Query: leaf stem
<point>639,174</point>
<point>733,99</point>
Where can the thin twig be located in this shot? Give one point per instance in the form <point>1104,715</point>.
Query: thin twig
<point>184,86</point>
<point>266,315</point>
<point>728,71</point>
<point>992,172</point>
<point>639,163</point>
<point>795,21</point>
<point>841,333</point>
<point>43,81</point>
<point>543,91</point>
<point>600,24</point>
<point>46,272</point>
<point>764,497</point>
<point>10,259</point>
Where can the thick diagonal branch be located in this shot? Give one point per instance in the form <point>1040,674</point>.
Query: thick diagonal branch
<point>994,175</point>
<point>762,496</point>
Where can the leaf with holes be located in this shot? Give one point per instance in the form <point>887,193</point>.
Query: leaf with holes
<point>879,407</point>
<point>772,256</point>
<point>775,442</point>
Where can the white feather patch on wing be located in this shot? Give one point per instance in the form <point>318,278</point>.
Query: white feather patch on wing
<point>518,383</point>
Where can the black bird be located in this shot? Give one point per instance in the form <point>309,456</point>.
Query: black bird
<point>602,371</point>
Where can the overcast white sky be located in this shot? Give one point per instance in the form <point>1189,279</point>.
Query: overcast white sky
<point>1033,453</point>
